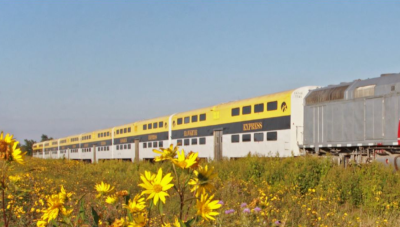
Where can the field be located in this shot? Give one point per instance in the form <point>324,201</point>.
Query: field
<point>253,191</point>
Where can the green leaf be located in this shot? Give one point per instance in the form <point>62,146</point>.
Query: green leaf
<point>190,222</point>
<point>182,223</point>
<point>96,217</point>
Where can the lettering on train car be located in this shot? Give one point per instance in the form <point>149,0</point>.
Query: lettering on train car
<point>62,148</point>
<point>152,137</point>
<point>73,146</point>
<point>103,143</point>
<point>124,140</point>
<point>252,126</point>
<point>190,133</point>
<point>86,145</point>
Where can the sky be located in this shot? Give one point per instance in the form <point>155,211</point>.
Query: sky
<point>70,67</point>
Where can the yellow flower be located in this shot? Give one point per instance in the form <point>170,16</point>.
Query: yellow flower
<point>205,207</point>
<point>118,222</point>
<point>156,188</point>
<point>5,142</point>
<point>41,224</point>
<point>122,193</point>
<point>202,182</point>
<point>103,188</point>
<point>111,199</point>
<point>185,162</point>
<point>175,224</point>
<point>166,154</point>
<point>17,154</point>
<point>64,195</point>
<point>55,204</point>
<point>14,178</point>
<point>138,221</point>
<point>135,205</point>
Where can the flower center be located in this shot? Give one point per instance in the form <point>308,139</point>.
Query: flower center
<point>3,146</point>
<point>157,188</point>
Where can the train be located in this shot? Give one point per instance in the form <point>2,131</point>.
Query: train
<point>354,122</point>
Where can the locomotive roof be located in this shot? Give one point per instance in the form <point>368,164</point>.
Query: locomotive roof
<point>384,84</point>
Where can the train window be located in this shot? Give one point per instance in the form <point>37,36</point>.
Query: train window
<point>149,145</point>
<point>235,139</point>
<point>125,146</point>
<point>194,118</point>
<point>160,144</point>
<point>202,117</point>
<point>144,145</point>
<point>117,147</point>
<point>98,135</point>
<point>125,130</point>
<point>129,129</point>
<point>271,136</point>
<point>186,142</point>
<point>258,108</point>
<point>187,120</point>
<point>108,133</point>
<point>179,142</point>
<point>117,132</point>
<point>194,141</point>
<point>129,146</point>
<point>179,121</point>
<point>246,110</point>
<point>149,126</point>
<point>160,124</point>
<point>144,127</point>
<point>155,125</point>
<point>246,137</point>
<point>258,137</point>
<point>155,144</point>
<point>235,111</point>
<point>272,105</point>
<point>202,140</point>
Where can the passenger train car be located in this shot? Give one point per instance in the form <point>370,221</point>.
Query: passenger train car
<point>356,122</point>
<point>267,125</point>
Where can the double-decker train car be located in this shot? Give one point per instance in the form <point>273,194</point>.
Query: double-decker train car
<point>268,125</point>
<point>357,121</point>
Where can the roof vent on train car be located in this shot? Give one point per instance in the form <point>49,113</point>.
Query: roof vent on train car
<point>326,95</point>
<point>388,74</point>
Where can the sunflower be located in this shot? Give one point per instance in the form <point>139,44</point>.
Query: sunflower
<point>202,182</point>
<point>55,206</point>
<point>166,154</point>
<point>103,188</point>
<point>17,154</point>
<point>205,207</point>
<point>5,142</point>
<point>111,199</point>
<point>158,187</point>
<point>135,205</point>
<point>185,162</point>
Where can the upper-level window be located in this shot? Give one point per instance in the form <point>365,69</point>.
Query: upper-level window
<point>160,124</point>
<point>155,125</point>
<point>259,108</point>
<point>108,133</point>
<point>187,120</point>
<point>125,130</point>
<point>246,110</point>
<point>144,127</point>
<point>202,117</point>
<point>129,129</point>
<point>117,132</point>
<point>272,105</point>
<point>194,118</point>
<point>179,121</point>
<point>235,111</point>
<point>149,126</point>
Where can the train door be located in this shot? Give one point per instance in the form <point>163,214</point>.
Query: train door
<point>94,154</point>
<point>218,145</point>
<point>136,150</point>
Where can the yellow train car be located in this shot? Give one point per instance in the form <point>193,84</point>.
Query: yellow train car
<point>271,125</point>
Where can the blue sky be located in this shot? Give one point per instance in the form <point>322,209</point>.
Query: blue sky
<point>68,67</point>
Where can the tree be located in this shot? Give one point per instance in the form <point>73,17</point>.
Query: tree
<point>28,147</point>
<point>45,138</point>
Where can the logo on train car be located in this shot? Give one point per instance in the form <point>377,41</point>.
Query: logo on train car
<point>86,145</point>
<point>124,140</point>
<point>283,107</point>
<point>152,137</point>
<point>190,133</point>
<point>103,143</point>
<point>252,126</point>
